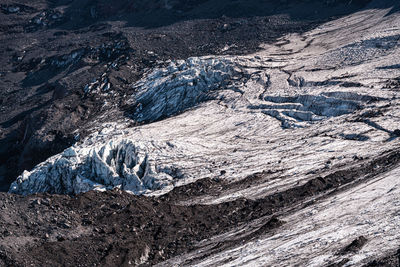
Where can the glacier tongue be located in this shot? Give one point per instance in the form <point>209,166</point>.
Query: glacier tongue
<point>296,110</point>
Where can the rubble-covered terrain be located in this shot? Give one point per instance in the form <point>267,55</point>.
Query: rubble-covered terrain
<point>200,133</point>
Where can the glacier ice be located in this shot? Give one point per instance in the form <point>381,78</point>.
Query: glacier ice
<point>115,164</point>
<point>181,85</point>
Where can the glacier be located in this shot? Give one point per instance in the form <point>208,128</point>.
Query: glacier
<point>304,107</point>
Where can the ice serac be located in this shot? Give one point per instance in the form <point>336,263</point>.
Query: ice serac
<point>116,164</point>
<point>181,85</point>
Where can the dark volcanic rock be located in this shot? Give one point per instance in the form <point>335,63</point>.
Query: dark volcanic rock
<point>113,228</point>
<point>354,246</point>
<point>389,260</point>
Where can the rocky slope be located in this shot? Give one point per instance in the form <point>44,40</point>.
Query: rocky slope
<point>280,149</point>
